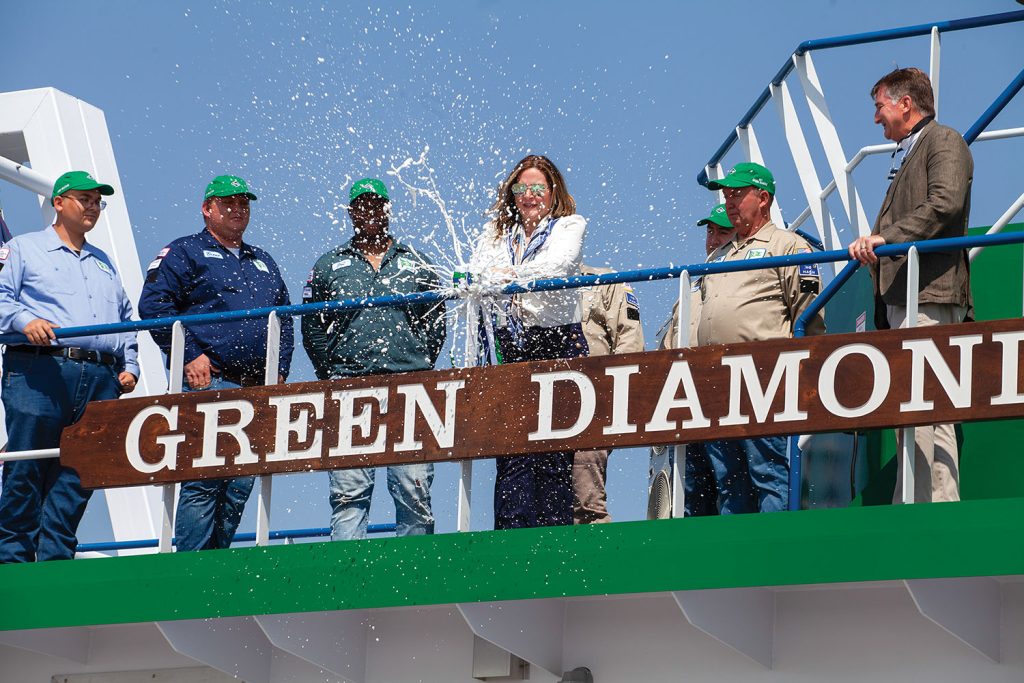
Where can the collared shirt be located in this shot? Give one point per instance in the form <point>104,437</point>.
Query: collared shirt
<point>41,277</point>
<point>197,274</point>
<point>904,146</point>
<point>669,332</point>
<point>611,317</point>
<point>372,340</point>
<point>759,304</point>
<point>559,256</point>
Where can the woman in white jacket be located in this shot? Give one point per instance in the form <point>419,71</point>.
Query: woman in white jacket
<point>535,234</point>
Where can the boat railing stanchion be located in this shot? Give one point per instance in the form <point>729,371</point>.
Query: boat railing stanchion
<point>679,450</point>
<point>270,377</point>
<point>909,449</point>
<point>174,383</point>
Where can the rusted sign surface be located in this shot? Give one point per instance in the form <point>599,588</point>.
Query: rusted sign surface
<point>953,373</point>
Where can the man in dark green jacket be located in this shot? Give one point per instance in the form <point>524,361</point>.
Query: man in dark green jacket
<point>373,341</point>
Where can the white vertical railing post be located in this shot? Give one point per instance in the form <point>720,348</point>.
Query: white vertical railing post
<point>174,380</point>
<point>682,342</point>
<point>801,154</point>
<point>465,496</point>
<point>909,450</point>
<point>715,173</point>
<point>814,95</point>
<point>270,377</point>
<point>748,139</point>
<point>933,68</point>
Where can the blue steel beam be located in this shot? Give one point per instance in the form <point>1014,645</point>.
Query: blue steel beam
<point>986,118</point>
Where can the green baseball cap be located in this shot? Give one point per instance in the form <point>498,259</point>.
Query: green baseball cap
<point>228,186</point>
<point>361,187</point>
<point>747,174</point>
<point>78,180</point>
<point>718,217</point>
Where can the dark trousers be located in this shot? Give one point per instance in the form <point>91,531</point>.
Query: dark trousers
<point>536,490</point>
<point>42,502</point>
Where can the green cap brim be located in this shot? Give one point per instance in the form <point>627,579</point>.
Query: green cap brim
<point>719,222</point>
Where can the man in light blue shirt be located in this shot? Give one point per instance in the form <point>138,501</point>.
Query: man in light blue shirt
<point>48,280</point>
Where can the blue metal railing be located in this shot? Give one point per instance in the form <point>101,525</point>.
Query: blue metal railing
<point>285,534</point>
<point>863,39</point>
<point>640,275</point>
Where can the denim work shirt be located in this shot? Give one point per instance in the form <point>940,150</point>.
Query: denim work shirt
<point>377,340</point>
<point>197,274</point>
<point>41,277</point>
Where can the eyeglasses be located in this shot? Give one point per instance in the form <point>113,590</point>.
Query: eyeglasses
<point>86,203</point>
<point>536,189</point>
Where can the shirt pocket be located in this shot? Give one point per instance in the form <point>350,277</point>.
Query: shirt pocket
<point>57,280</point>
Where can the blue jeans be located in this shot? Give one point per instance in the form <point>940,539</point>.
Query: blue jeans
<point>209,510</point>
<point>752,474</point>
<point>42,502</point>
<point>701,498</point>
<point>351,491</point>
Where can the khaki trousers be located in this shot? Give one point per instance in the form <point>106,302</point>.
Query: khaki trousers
<point>590,501</point>
<point>936,459</point>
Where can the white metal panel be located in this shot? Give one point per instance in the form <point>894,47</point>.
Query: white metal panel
<point>742,618</point>
<point>334,641</point>
<point>967,607</point>
<point>63,133</point>
<point>530,629</point>
<point>752,151</point>
<point>68,643</point>
<point>834,154</point>
<point>805,169</point>
<point>234,645</point>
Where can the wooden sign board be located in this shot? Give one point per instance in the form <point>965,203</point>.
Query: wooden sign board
<point>952,373</point>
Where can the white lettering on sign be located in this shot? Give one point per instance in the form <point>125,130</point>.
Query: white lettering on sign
<point>1009,392</point>
<point>881,379</point>
<point>169,460</point>
<point>212,428</point>
<point>545,413</point>
<point>679,374</point>
<point>924,351</point>
<point>620,399</point>
<point>285,426</point>
<point>348,420</point>
<point>742,370</point>
<point>443,430</point>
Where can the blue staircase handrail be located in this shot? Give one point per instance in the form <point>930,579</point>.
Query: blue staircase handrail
<point>863,39</point>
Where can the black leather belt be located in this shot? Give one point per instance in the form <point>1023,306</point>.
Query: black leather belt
<point>243,380</point>
<point>72,352</point>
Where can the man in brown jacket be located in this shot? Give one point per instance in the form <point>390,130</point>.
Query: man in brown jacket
<point>929,197</point>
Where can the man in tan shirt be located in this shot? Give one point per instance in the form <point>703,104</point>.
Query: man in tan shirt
<point>611,324</point>
<point>701,497</point>
<point>754,305</point>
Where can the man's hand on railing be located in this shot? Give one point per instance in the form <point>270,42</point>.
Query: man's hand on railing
<point>863,248</point>
<point>40,332</point>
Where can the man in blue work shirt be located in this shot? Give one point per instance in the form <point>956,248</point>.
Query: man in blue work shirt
<point>372,341</point>
<point>214,271</point>
<point>48,280</point>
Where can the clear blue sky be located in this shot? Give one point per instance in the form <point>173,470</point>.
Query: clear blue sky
<point>629,99</point>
